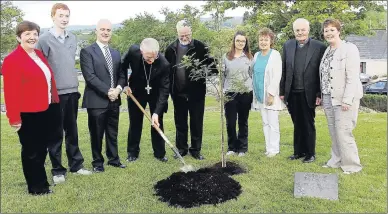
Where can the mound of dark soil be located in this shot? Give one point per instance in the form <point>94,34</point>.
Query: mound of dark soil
<point>231,168</point>
<point>211,185</point>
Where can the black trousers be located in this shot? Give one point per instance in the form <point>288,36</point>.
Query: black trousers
<point>182,108</point>
<point>136,127</point>
<point>37,130</point>
<point>237,108</point>
<point>100,121</point>
<point>303,118</point>
<point>68,127</point>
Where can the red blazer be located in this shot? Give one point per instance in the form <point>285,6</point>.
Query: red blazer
<point>25,85</point>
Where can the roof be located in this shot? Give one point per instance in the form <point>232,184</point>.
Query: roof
<point>371,47</point>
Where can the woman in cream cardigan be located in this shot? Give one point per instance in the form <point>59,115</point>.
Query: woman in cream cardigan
<point>267,72</point>
<point>341,94</point>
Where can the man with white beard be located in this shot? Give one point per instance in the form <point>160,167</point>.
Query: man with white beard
<point>188,94</point>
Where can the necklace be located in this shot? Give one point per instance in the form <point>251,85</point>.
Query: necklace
<point>333,48</point>
<point>331,52</point>
<point>148,88</point>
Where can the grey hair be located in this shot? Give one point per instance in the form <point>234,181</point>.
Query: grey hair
<point>300,20</point>
<point>182,23</point>
<point>149,45</point>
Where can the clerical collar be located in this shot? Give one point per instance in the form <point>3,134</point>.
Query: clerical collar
<point>305,42</point>
<point>146,63</point>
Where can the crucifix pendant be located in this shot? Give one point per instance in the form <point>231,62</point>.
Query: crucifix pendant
<point>148,88</point>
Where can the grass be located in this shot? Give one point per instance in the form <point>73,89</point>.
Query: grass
<point>267,187</point>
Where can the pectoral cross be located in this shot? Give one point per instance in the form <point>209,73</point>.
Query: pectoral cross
<point>148,88</point>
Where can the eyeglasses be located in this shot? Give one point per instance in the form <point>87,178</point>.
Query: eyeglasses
<point>241,41</point>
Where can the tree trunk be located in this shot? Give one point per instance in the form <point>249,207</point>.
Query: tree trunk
<point>221,93</point>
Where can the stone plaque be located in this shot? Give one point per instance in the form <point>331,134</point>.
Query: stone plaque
<point>316,185</point>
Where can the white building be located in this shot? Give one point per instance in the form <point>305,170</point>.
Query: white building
<point>373,52</point>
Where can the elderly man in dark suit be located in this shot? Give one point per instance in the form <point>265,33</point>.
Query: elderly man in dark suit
<point>149,82</point>
<point>300,87</point>
<point>101,68</point>
<point>188,94</point>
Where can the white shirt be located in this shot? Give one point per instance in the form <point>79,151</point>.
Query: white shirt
<point>47,74</point>
<point>60,38</point>
<point>103,52</point>
<point>102,48</point>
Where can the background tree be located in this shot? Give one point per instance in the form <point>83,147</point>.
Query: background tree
<point>376,19</point>
<point>279,16</point>
<point>145,25</point>
<point>189,13</point>
<point>10,16</point>
<point>134,30</point>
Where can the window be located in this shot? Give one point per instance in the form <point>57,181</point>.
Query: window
<point>378,85</point>
<point>363,67</point>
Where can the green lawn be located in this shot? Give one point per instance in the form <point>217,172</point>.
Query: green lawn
<point>267,187</point>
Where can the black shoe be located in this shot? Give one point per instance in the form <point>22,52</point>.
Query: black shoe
<point>42,193</point>
<point>98,169</point>
<point>295,157</point>
<point>182,154</point>
<point>198,156</point>
<point>309,159</point>
<point>163,159</point>
<point>131,158</point>
<point>119,165</point>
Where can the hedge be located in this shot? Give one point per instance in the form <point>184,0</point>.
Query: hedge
<point>375,102</point>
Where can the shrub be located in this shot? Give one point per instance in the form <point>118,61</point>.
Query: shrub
<point>375,102</point>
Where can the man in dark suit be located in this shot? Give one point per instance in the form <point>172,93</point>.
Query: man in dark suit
<point>300,87</point>
<point>188,94</point>
<point>101,68</point>
<point>149,83</point>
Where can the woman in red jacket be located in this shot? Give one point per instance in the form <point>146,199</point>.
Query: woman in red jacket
<point>31,101</point>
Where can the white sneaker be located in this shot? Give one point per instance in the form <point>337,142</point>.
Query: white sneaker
<point>83,172</point>
<point>230,153</point>
<point>241,154</point>
<point>58,179</point>
<point>270,155</point>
